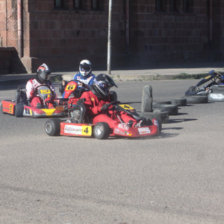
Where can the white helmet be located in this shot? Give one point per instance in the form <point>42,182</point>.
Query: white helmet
<point>85,67</point>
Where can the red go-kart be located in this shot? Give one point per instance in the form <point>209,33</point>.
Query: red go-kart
<point>20,106</point>
<point>80,125</point>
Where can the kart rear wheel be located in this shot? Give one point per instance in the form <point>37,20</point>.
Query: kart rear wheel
<point>1,109</point>
<point>101,130</point>
<point>52,127</point>
<point>159,126</point>
<point>19,110</point>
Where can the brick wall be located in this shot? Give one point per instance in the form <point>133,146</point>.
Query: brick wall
<point>218,28</point>
<point>8,24</point>
<point>62,37</point>
<point>169,35</point>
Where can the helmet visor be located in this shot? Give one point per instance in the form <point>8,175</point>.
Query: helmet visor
<point>85,67</point>
<point>104,87</point>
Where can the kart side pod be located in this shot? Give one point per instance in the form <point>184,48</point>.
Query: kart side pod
<point>55,127</point>
<point>99,130</point>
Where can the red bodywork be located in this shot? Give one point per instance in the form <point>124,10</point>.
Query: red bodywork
<point>70,88</point>
<point>8,107</point>
<point>121,129</point>
<point>117,128</point>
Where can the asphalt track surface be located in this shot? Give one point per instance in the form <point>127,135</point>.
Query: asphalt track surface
<point>176,178</point>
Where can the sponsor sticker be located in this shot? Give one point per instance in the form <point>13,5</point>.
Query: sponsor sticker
<point>144,130</point>
<point>119,132</point>
<point>78,130</point>
<point>126,106</point>
<point>70,87</point>
<point>123,126</point>
<point>45,91</point>
<point>122,132</point>
<point>48,112</point>
<point>11,108</point>
<point>28,111</point>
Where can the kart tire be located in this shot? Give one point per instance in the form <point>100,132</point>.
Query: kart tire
<point>196,99</point>
<point>147,99</point>
<point>52,127</point>
<point>1,109</point>
<point>101,130</point>
<point>19,109</point>
<point>179,101</point>
<point>157,103</point>
<point>62,86</point>
<point>159,127</point>
<point>172,109</point>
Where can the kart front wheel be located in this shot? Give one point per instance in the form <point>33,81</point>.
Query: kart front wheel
<point>52,127</point>
<point>101,130</point>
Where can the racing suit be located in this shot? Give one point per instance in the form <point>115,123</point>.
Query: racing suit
<point>32,95</point>
<point>82,82</point>
<point>94,107</point>
<point>87,80</point>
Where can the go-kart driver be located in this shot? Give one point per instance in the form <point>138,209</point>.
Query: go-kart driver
<point>85,75</point>
<point>97,101</point>
<point>213,78</point>
<point>216,77</point>
<point>83,78</point>
<point>33,84</point>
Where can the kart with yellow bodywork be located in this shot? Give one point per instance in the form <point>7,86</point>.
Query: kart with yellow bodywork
<point>21,107</point>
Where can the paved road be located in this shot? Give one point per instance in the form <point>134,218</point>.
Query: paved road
<point>176,178</point>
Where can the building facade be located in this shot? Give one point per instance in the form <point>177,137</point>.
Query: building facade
<point>144,32</point>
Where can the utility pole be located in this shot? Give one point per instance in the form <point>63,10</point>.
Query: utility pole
<point>19,24</point>
<point>109,38</point>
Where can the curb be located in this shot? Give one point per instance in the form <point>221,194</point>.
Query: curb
<point>126,75</point>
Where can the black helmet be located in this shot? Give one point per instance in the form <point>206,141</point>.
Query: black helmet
<point>42,72</point>
<point>102,84</point>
